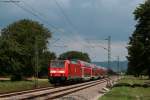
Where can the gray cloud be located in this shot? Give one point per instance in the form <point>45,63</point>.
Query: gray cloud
<point>91,19</point>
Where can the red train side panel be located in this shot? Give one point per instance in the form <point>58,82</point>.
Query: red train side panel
<point>61,71</point>
<point>64,70</point>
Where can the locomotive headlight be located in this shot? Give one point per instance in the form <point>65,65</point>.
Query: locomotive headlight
<point>52,71</point>
<point>62,71</point>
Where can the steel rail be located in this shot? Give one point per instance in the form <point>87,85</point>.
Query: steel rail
<point>69,91</point>
<point>24,91</point>
<point>50,93</point>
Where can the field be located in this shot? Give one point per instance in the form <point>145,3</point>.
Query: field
<point>8,86</point>
<point>129,88</point>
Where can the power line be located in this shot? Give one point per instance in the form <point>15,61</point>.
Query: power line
<point>55,41</point>
<point>37,15</point>
<point>66,17</point>
<point>108,49</point>
<point>8,1</point>
<point>64,14</point>
<point>33,10</point>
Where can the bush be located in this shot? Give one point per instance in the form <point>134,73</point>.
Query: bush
<point>122,84</point>
<point>16,77</point>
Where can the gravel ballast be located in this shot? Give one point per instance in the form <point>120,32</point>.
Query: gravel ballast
<point>91,93</point>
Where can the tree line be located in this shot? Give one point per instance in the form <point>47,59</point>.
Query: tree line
<point>24,42</point>
<point>139,44</point>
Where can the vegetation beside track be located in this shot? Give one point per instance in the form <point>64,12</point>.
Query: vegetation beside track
<point>129,88</point>
<point>9,86</point>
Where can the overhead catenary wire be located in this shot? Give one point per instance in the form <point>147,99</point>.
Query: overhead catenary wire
<point>94,46</point>
<point>65,15</point>
<point>34,14</point>
<point>8,1</point>
<point>68,20</point>
<point>99,45</point>
<point>38,15</point>
<point>41,14</point>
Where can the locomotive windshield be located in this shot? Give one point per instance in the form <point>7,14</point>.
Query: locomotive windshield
<point>57,64</point>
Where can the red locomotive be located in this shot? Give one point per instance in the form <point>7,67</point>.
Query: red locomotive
<point>71,70</point>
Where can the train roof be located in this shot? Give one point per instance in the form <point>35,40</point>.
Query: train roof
<point>86,63</point>
<point>83,63</point>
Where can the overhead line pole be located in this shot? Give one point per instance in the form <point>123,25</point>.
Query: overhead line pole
<point>36,58</point>
<point>36,63</point>
<point>118,64</point>
<point>109,50</point>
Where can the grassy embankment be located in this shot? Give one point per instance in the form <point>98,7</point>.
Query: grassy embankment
<point>8,86</point>
<point>129,88</point>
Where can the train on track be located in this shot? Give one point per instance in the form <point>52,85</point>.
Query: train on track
<point>60,71</point>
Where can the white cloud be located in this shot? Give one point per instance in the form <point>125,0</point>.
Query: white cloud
<point>94,49</point>
<point>111,17</point>
<point>119,49</point>
<point>100,54</point>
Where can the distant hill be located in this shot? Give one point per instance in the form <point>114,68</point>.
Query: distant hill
<point>113,66</point>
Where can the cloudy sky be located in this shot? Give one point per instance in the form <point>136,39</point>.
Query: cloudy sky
<point>78,24</point>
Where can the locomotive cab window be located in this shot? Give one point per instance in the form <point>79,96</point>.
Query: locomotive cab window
<point>74,62</point>
<point>57,64</point>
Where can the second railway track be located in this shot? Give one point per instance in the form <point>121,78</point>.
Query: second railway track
<point>23,92</point>
<point>51,93</point>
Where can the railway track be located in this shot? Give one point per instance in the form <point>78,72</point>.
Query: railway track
<point>22,92</point>
<point>50,93</point>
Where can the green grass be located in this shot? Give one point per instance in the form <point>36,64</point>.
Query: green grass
<point>132,80</point>
<point>8,86</point>
<point>127,92</point>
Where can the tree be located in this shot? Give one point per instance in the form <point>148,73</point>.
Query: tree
<point>111,72</point>
<point>75,55</point>
<point>21,40</point>
<point>8,49</point>
<point>136,55</point>
<point>139,45</point>
<point>45,61</point>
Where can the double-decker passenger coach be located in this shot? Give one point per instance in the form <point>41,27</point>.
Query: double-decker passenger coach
<point>73,70</point>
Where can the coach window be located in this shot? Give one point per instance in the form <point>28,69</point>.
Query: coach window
<point>57,64</point>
